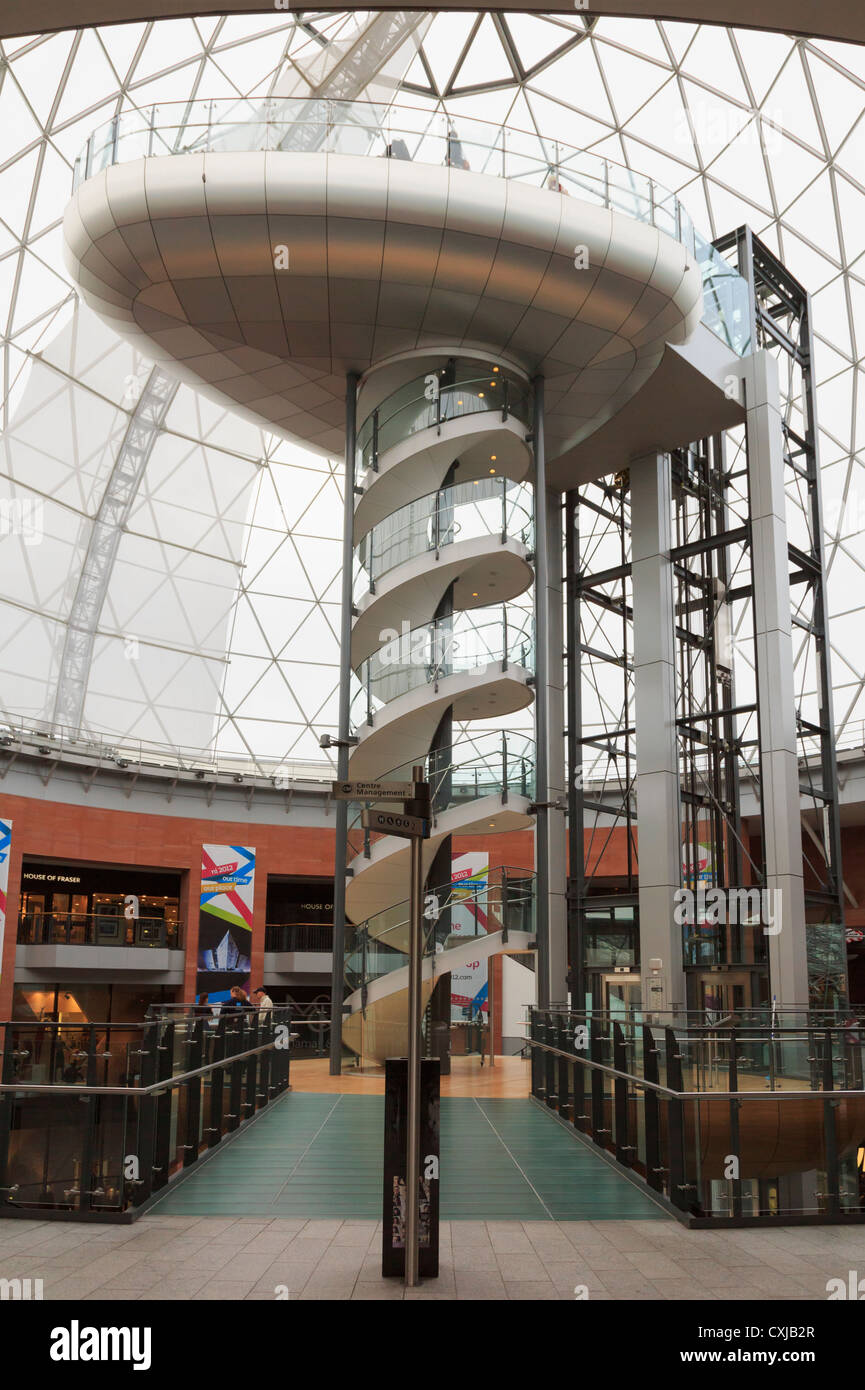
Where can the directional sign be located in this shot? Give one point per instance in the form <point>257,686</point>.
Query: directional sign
<point>372,791</point>
<point>392,823</point>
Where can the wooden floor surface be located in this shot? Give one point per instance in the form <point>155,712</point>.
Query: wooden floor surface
<point>507,1080</point>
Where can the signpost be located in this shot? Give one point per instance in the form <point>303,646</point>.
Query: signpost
<point>392,823</point>
<point>372,791</point>
<point>412,824</point>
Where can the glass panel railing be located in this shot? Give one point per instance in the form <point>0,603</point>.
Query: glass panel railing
<point>148,1100</point>
<point>469,642</point>
<point>462,389</point>
<point>502,900</point>
<point>494,763</point>
<point>485,507</point>
<point>724,1125</point>
<point>98,929</point>
<point>402,132</point>
<point>726,298</point>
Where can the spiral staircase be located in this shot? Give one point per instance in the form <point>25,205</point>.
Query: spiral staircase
<point>443,533</point>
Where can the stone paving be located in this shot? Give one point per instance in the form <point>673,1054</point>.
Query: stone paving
<point>197,1258</point>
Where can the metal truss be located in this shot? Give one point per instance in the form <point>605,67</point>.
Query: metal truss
<point>94,580</point>
<point>600,740</point>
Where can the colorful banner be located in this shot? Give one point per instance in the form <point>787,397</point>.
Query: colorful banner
<point>469,880</point>
<point>225,920</point>
<point>5,850</point>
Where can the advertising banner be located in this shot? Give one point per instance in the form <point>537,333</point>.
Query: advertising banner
<point>5,845</point>
<point>225,920</point>
<point>469,882</point>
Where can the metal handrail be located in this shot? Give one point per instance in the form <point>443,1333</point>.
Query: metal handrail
<point>168,1084</point>
<point>305,125</point>
<point>54,927</point>
<point>425,411</point>
<point>442,638</point>
<point>424,528</point>
<point>695,1095</point>
<point>507,770</point>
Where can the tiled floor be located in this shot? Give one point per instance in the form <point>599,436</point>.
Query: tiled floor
<point>320,1156</point>
<point>197,1258</point>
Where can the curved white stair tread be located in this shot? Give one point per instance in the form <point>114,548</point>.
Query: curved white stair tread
<point>418,465</point>
<point>403,729</point>
<point>378,882</point>
<point>483,570</point>
<point>383,1033</point>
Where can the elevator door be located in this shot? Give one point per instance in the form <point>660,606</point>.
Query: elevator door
<point>621,993</point>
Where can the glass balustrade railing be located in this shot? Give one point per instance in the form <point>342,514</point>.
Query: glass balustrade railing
<point>468,643</point>
<point>501,900</point>
<point>485,507</point>
<point>487,764</point>
<point>401,131</point>
<point>744,1117</point>
<point>427,402</point>
<point>80,1099</point>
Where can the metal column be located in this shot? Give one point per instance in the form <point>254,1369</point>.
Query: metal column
<point>779,763</point>
<point>658,810</point>
<point>542,832</point>
<point>415,1013</point>
<point>341,847</point>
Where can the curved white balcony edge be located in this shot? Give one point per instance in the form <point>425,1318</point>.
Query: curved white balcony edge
<point>178,255</point>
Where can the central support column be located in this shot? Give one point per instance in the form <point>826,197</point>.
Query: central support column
<point>550,847</point>
<point>776,700</point>
<point>341,847</point>
<point>658,814</point>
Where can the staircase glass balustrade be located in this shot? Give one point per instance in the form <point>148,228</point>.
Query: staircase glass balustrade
<point>502,900</point>
<point>430,401</point>
<point>494,763</point>
<point>484,507</point>
<point>468,643</point>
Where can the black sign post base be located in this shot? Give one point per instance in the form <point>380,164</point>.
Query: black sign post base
<point>395,1137</point>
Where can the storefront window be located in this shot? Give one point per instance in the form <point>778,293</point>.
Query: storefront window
<point>92,905</point>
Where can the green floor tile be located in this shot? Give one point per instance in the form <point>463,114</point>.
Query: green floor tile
<point>321,1155</point>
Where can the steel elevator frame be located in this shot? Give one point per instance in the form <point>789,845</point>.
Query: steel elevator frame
<point>717,727</point>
